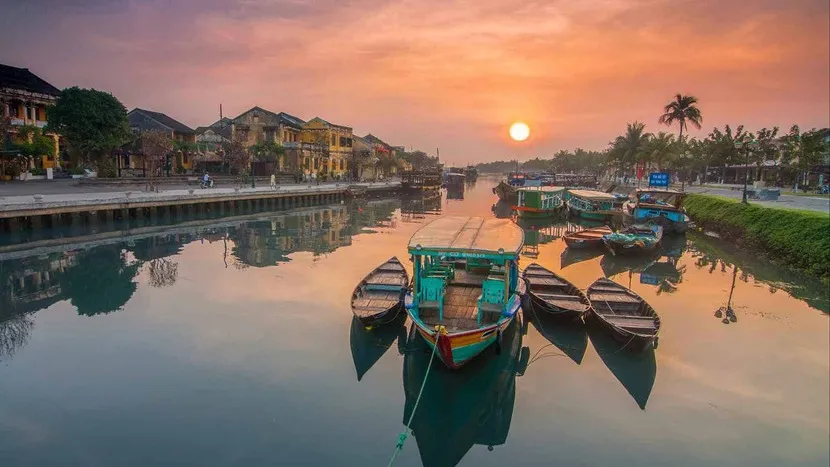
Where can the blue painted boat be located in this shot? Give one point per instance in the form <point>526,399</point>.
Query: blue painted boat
<point>466,287</point>
<point>663,207</point>
<point>640,238</point>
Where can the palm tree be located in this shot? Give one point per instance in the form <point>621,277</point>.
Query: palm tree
<point>630,148</point>
<point>682,110</point>
<point>660,149</point>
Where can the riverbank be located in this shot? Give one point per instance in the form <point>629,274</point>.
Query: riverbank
<point>795,237</point>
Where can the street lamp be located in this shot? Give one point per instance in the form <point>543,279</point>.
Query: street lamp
<point>685,158</point>
<point>745,145</point>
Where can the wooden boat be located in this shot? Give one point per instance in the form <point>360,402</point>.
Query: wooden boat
<point>540,202</point>
<point>623,314</point>
<point>378,297</point>
<point>663,207</point>
<point>634,239</point>
<point>553,295</point>
<point>595,205</point>
<point>506,193</point>
<point>588,238</point>
<point>466,287</point>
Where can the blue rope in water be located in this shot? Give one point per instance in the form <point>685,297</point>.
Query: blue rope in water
<point>402,437</point>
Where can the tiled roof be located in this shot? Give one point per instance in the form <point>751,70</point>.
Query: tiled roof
<point>165,120</point>
<point>24,80</point>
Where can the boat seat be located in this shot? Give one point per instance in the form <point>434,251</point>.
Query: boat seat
<point>632,322</point>
<point>431,294</point>
<point>545,296</point>
<point>491,300</point>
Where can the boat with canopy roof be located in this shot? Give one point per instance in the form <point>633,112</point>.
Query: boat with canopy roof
<point>466,287</point>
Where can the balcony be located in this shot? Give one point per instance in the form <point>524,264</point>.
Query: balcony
<point>18,121</point>
<point>40,124</point>
<point>290,144</point>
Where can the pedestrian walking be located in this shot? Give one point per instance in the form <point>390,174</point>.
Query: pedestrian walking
<point>273,182</point>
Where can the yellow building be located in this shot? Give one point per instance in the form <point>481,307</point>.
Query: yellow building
<point>327,148</point>
<point>24,98</point>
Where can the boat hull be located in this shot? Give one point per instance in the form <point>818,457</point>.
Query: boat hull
<point>671,221</point>
<point>506,193</point>
<point>456,349</point>
<point>590,215</point>
<point>629,249</point>
<point>632,342</point>
<point>381,318</point>
<point>581,244</point>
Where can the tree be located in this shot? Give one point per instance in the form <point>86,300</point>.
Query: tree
<point>660,149</point>
<point>267,151</point>
<point>236,155</point>
<point>682,110</point>
<point>420,160</point>
<point>92,122</point>
<point>31,142</point>
<point>359,159</point>
<point>386,161</point>
<point>156,146</point>
<point>628,149</point>
<point>721,145</point>
<point>766,149</point>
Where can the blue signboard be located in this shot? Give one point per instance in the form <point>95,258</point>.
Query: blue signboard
<point>649,279</point>
<point>658,179</point>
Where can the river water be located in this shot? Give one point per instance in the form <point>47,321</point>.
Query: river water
<point>230,342</point>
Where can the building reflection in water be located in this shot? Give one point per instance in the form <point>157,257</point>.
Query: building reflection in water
<point>98,277</point>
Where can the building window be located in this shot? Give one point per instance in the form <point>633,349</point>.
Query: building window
<point>184,158</point>
<point>28,113</point>
<point>333,140</point>
<point>342,164</point>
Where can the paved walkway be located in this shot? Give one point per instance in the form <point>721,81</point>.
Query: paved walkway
<point>784,201</point>
<point>38,201</point>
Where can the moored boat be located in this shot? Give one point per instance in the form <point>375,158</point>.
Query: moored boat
<point>539,202</point>
<point>634,239</point>
<point>378,298</point>
<point>588,238</point>
<point>623,314</point>
<point>466,288</point>
<point>663,207</point>
<point>506,191</point>
<point>553,295</point>
<point>588,204</point>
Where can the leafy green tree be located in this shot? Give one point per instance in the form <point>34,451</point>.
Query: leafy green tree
<point>765,149</point>
<point>630,148</point>
<point>92,122</point>
<point>659,150</point>
<point>32,142</point>
<point>682,110</point>
<point>721,147</point>
<point>267,151</point>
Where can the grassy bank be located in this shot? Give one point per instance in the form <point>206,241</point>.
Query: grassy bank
<point>795,237</point>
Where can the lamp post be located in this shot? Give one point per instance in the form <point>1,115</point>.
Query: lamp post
<point>685,159</point>
<point>744,144</point>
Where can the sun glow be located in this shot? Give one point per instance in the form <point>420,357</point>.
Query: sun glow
<point>519,131</point>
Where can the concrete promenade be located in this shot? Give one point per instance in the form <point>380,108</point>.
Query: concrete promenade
<point>51,204</point>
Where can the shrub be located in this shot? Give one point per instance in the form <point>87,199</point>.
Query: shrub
<point>796,237</point>
<point>37,171</point>
<point>76,171</point>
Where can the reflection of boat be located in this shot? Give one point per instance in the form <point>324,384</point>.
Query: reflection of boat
<point>462,409</point>
<point>569,256</point>
<point>588,238</point>
<point>471,172</point>
<point>623,314</point>
<point>635,371</point>
<point>612,265</point>
<point>462,308</point>
<point>635,239</point>
<point>502,210</point>
<point>379,296</point>
<point>368,345</point>
<point>422,180</point>
<point>553,295</point>
<point>455,192</point>
<point>572,340</point>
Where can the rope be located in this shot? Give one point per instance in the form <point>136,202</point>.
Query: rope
<point>405,433</point>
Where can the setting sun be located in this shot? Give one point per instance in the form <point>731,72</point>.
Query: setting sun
<point>519,131</point>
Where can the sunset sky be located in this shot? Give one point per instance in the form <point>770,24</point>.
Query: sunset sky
<point>451,74</point>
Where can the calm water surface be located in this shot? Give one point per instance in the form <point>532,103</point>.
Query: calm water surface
<point>230,342</point>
